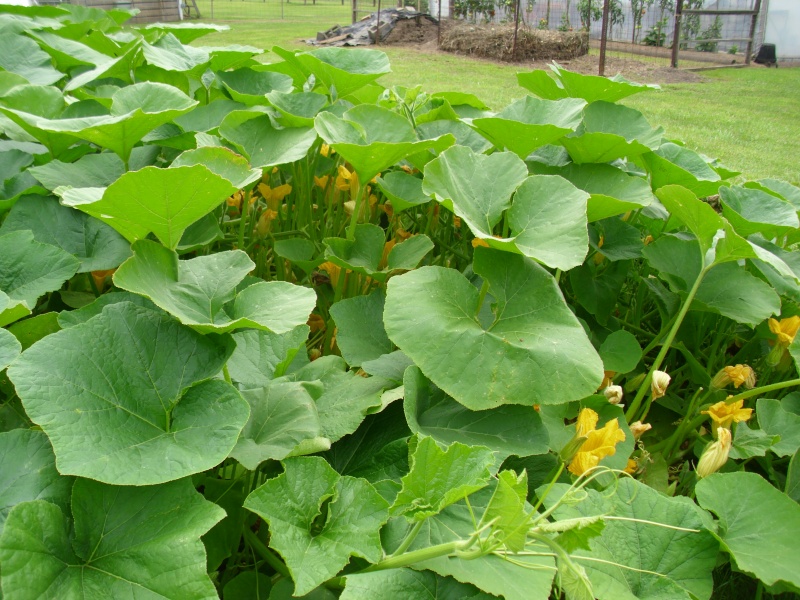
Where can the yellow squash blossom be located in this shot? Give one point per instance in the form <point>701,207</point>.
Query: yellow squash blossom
<point>346,181</point>
<point>631,467</point>
<point>99,278</point>
<point>724,414</point>
<point>659,384</point>
<point>737,375</point>
<point>235,199</point>
<point>325,150</point>
<point>785,329</point>
<point>264,225</point>
<point>715,455</point>
<point>638,429</point>
<point>608,379</point>
<point>274,196</point>
<point>599,442</point>
<point>321,182</point>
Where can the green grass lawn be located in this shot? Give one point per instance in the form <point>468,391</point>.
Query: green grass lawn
<point>748,118</point>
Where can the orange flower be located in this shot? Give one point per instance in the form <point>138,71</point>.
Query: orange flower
<point>274,196</point>
<point>479,242</point>
<point>737,375</point>
<point>785,329</point>
<point>321,182</point>
<point>631,467</point>
<point>264,225</point>
<point>99,278</point>
<point>346,181</point>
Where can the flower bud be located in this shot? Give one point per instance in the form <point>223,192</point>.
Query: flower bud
<point>716,454</point>
<point>658,384</point>
<point>613,393</point>
<point>737,375</point>
<point>638,429</point>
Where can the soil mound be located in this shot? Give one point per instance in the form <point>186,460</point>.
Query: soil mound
<point>497,42</point>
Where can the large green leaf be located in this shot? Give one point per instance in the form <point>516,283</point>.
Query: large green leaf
<point>299,109</point>
<point>524,356</point>
<point>202,292</point>
<point>565,84</point>
<point>476,187</point>
<point>758,525</point>
<point>316,549</point>
<point>9,348</point>
<point>21,55</point>
<point>554,233</point>
<point>251,87</point>
<point>96,245</point>
<point>438,478</point>
<point>526,578</point>
<point>122,391</point>
<point>506,430</point>
<point>262,356</point>
<point>529,123</point>
<point>359,328</point>
<point>171,55</point>
<point>128,542</point>
<point>92,170</point>
<point>346,397</point>
<point>28,472</point>
<point>365,252</point>
<point>675,165</point>
<point>657,562</point>
<point>11,310</point>
<point>372,138</point>
<point>265,145</point>
<point>339,70</point>
<point>726,289</point>
<point>402,190</point>
<point>406,584</point>
<point>754,211</point>
<point>162,201</point>
<point>611,131</point>
<point>135,111</point>
<point>611,191</point>
<point>774,419</point>
<point>282,416</point>
<point>29,269</point>
<point>68,53</point>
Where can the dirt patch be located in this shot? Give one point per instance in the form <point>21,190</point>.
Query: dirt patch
<point>631,69</point>
<point>413,32</point>
<point>497,42</point>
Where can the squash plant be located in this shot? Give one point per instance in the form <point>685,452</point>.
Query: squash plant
<point>275,330</point>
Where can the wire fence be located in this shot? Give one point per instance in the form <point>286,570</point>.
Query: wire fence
<point>638,30</point>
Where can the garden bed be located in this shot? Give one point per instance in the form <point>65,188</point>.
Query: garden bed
<point>497,42</point>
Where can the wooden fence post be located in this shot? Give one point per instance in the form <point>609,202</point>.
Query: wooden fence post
<point>676,36</point>
<point>753,23</point>
<point>601,69</point>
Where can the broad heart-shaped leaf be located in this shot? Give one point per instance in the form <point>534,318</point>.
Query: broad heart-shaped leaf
<point>9,348</point>
<point>359,328</point>
<point>529,123</point>
<point>662,562</point>
<point>620,352</point>
<point>171,55</point>
<point>223,162</point>
<point>758,525</point>
<point>28,472</point>
<point>402,190</point>
<point>162,201</point>
<point>262,356</point>
<point>505,430</point>
<point>476,187</point>
<point>726,288</point>
<point>21,55</point>
<point>316,547</point>
<point>565,84</point>
<point>128,542</point>
<point>611,191</point>
<point>372,138</point>
<point>125,397</point>
<point>96,245</point>
<point>718,241</point>
<point>299,109</point>
<point>11,310</point>
<point>548,221</point>
<point>438,478</point>
<point>266,146</point>
<point>406,584</point>
<point>135,111</point>
<point>364,253</point>
<point>774,419</point>
<point>527,578</point>
<point>346,397</point>
<point>611,131</point>
<point>251,87</point>
<point>525,356</point>
<point>282,416</point>
<point>201,292</point>
<point>754,211</point>
<point>339,70</point>
<point>675,165</point>
<point>785,190</point>
<point>92,170</point>
<point>29,269</point>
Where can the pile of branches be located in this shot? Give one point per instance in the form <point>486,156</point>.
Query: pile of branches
<point>497,42</point>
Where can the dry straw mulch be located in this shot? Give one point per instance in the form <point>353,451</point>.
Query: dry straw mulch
<point>496,42</point>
